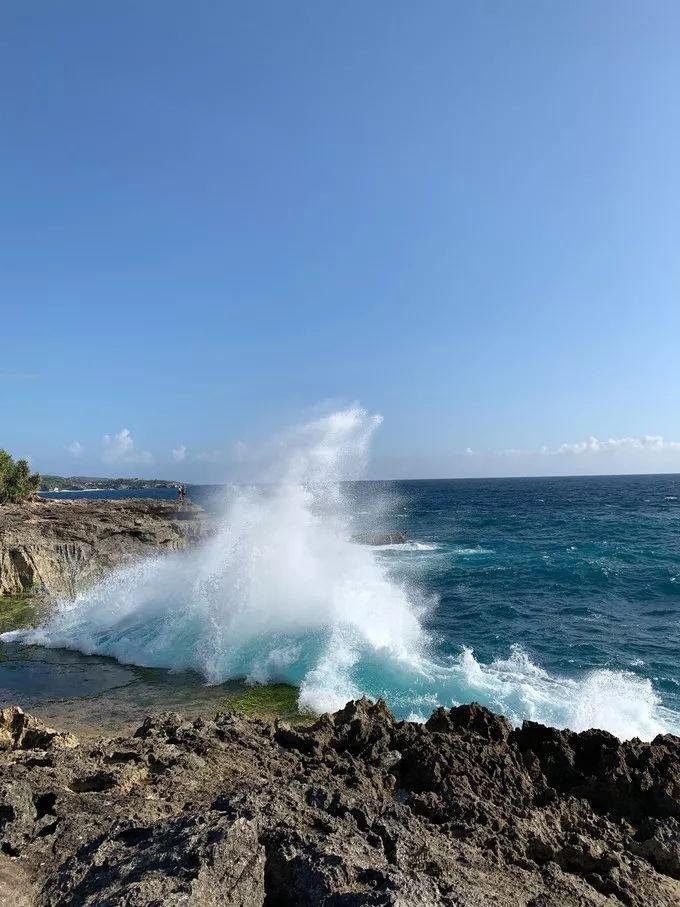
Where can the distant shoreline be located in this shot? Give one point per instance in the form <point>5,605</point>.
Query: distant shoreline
<point>56,484</point>
<point>74,484</point>
<point>71,490</point>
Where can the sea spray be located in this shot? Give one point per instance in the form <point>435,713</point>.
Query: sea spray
<point>280,593</point>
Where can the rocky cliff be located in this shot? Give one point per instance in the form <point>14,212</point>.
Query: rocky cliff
<point>356,809</point>
<point>60,547</point>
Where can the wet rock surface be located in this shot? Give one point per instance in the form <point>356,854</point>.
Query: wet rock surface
<point>356,809</point>
<point>60,547</point>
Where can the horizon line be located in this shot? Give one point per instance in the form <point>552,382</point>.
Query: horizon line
<point>584,475</point>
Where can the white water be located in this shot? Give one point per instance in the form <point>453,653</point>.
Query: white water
<point>281,594</point>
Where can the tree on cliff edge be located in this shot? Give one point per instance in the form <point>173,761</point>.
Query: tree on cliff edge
<point>16,480</point>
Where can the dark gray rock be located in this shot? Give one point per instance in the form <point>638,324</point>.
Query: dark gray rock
<point>199,860</point>
<point>355,809</point>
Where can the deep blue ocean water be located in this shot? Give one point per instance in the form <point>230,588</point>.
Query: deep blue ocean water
<point>553,598</point>
<point>582,573</point>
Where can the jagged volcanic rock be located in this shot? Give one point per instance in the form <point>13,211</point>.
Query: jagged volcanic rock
<point>356,809</point>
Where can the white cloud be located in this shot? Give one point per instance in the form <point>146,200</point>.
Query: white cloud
<point>209,456</point>
<point>76,448</point>
<point>593,445</point>
<point>120,448</point>
<point>179,453</point>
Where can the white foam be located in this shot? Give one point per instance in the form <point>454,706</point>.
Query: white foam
<point>468,552</point>
<point>616,701</point>
<point>282,594</point>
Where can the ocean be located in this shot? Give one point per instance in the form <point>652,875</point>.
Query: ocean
<point>565,592</point>
<point>554,599</point>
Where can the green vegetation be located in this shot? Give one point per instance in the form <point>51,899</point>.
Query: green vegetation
<point>16,480</point>
<point>17,611</point>
<point>274,700</point>
<point>86,483</point>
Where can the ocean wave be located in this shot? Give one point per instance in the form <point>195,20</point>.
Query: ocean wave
<point>617,701</point>
<point>281,593</point>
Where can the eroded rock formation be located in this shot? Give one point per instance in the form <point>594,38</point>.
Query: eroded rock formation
<point>61,547</point>
<point>356,809</point>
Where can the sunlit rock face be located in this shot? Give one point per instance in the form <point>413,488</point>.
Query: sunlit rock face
<point>59,548</point>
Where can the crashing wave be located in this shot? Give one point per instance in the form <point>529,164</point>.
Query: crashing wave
<point>281,593</point>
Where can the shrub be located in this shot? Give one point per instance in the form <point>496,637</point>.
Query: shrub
<point>16,480</point>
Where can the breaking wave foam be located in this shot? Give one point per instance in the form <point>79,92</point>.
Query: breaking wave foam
<point>282,594</point>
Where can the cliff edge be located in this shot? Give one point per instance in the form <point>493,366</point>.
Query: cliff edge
<point>60,547</point>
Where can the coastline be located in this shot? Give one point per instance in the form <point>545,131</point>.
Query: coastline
<point>262,805</point>
<point>60,547</point>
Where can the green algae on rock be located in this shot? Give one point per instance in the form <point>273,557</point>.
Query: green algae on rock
<point>19,611</point>
<point>272,700</point>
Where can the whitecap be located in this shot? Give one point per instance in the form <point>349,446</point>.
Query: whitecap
<point>469,552</point>
<point>281,593</point>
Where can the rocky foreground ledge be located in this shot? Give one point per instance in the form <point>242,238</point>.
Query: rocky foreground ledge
<point>61,547</point>
<point>356,809</point>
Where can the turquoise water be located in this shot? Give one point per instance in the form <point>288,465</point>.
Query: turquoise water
<point>581,573</point>
<point>553,599</point>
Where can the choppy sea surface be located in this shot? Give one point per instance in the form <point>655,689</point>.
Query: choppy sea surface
<point>556,599</point>
<point>579,575</point>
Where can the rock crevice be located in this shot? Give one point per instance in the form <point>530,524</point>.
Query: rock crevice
<point>356,809</point>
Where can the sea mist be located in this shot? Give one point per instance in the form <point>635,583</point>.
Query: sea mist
<point>281,594</point>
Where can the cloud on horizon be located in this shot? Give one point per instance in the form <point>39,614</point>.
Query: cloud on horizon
<point>591,445</point>
<point>120,448</point>
<point>594,446</point>
<point>246,462</point>
<point>592,455</point>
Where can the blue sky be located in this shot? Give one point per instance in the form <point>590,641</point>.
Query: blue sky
<point>218,217</point>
